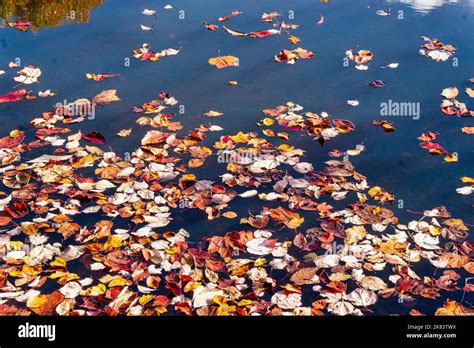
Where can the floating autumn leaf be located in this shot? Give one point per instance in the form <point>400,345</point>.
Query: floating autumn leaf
<point>376,84</point>
<point>433,148</point>
<point>100,77</point>
<point>213,113</point>
<point>146,53</point>
<point>362,56</point>
<point>15,95</point>
<point>383,13</point>
<point>20,25</point>
<point>291,56</point>
<point>210,27</point>
<point>45,94</point>
<point>428,136</point>
<point>125,132</point>
<point>291,220</point>
<point>379,194</point>
<point>304,276</point>
<point>230,215</point>
<point>353,102</point>
<point>465,190</point>
<point>320,21</point>
<point>224,61</point>
<point>373,283</point>
<point>269,17</point>
<point>106,97</point>
<point>467,180</point>
<point>46,304</point>
<point>451,158</point>
<point>470,92</point>
<point>148,12</point>
<point>450,92</point>
<point>28,75</point>
<point>451,307</point>
<point>391,66</point>
<point>294,40</point>
<point>387,126</point>
<point>263,33</point>
<point>94,137</point>
<point>145,28</point>
<point>227,17</point>
<point>436,50</point>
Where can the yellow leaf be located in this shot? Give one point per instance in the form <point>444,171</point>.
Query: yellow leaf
<point>88,158</point>
<point>229,215</point>
<point>171,251</point>
<point>188,177</point>
<point>374,190</point>
<point>294,39</point>
<point>161,310</point>
<point>191,286</point>
<point>113,241</point>
<point>467,180</point>
<point>225,310</point>
<point>219,299</point>
<point>268,132</point>
<point>118,281</point>
<point>58,262</point>
<point>295,223</point>
<point>245,302</point>
<point>67,278</point>
<point>125,132</point>
<point>355,234</point>
<point>452,307</point>
<point>268,121</point>
<point>467,130</point>
<point>94,291</point>
<point>144,299</point>
<point>14,133</point>
<point>213,113</point>
<point>286,148</point>
<point>450,158</point>
<point>434,230</point>
<point>224,61</point>
<point>36,301</point>
<point>240,137</point>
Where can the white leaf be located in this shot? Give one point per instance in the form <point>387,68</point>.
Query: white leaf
<point>203,296</point>
<point>465,190</point>
<point>145,28</point>
<point>362,297</point>
<point>148,12</point>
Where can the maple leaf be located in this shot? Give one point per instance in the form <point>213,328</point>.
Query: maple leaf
<point>224,61</point>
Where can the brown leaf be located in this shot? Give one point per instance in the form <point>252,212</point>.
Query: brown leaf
<point>106,97</point>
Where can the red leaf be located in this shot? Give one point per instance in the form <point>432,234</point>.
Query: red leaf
<point>13,96</point>
<point>94,137</point>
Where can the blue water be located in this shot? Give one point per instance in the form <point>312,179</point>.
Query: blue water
<point>391,160</point>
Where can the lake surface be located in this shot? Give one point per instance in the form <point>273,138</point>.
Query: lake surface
<point>103,34</point>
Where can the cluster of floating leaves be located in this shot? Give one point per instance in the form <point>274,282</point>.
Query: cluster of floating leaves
<point>129,263</point>
<point>436,50</point>
<point>322,241</point>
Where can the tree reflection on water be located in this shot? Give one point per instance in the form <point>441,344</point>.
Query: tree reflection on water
<point>47,13</point>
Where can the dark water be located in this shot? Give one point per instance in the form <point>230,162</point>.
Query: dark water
<point>106,33</point>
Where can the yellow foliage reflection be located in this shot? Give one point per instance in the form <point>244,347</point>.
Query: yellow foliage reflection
<point>48,13</point>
